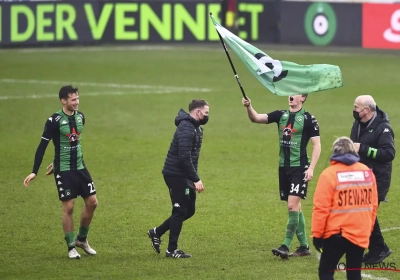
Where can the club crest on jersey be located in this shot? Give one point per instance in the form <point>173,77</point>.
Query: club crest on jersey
<point>288,130</point>
<point>73,136</point>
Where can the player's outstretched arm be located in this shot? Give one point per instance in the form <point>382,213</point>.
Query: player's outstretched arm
<point>252,114</point>
<point>41,149</point>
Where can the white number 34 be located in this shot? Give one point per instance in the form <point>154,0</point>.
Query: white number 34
<point>294,188</point>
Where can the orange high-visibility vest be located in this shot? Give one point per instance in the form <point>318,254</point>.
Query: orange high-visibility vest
<point>345,201</point>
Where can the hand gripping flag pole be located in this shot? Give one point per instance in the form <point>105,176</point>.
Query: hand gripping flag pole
<point>230,61</point>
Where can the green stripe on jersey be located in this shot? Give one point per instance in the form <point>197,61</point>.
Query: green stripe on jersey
<point>69,150</point>
<point>291,142</point>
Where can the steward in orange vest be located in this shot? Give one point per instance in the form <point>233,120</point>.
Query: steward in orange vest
<point>345,203</point>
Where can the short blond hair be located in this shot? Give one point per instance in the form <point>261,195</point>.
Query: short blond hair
<point>343,145</point>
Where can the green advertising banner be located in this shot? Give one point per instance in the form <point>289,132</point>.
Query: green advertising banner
<point>80,22</point>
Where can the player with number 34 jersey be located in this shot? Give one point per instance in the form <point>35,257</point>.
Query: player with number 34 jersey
<point>296,128</point>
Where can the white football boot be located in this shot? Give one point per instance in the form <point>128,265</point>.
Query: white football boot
<point>85,246</point>
<point>73,254</point>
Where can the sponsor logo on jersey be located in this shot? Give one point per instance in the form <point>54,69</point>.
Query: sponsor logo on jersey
<point>73,136</point>
<point>288,130</point>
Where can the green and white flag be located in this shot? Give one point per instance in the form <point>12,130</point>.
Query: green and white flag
<point>282,78</point>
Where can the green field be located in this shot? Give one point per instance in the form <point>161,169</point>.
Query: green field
<point>130,96</point>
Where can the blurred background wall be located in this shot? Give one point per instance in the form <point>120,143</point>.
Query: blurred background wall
<point>368,24</point>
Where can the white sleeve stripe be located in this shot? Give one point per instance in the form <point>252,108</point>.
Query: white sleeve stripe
<point>46,139</point>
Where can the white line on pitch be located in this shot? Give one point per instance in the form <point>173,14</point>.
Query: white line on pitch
<point>97,49</point>
<point>109,85</point>
<point>39,96</point>
<point>388,229</point>
<point>369,276</point>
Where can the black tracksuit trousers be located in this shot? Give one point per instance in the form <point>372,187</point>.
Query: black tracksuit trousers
<point>334,248</point>
<point>376,241</point>
<point>183,199</point>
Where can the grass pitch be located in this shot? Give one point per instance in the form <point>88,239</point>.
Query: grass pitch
<point>130,96</point>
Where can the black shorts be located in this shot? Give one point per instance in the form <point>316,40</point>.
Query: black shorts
<point>73,183</point>
<point>291,182</point>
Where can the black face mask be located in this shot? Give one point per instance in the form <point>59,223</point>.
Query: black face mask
<point>204,120</point>
<point>356,115</point>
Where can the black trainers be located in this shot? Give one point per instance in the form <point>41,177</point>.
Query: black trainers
<point>155,239</point>
<point>365,257</point>
<point>282,251</point>
<point>177,254</point>
<point>301,252</point>
<point>377,256</point>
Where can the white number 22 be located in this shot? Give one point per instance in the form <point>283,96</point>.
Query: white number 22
<point>92,187</point>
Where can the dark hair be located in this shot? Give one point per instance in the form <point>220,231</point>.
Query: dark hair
<point>197,103</point>
<point>304,95</point>
<point>66,90</point>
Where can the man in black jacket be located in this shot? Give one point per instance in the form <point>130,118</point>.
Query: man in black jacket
<point>374,140</point>
<point>180,175</point>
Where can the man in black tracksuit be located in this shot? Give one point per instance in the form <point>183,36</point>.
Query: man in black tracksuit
<point>374,138</point>
<point>180,175</point>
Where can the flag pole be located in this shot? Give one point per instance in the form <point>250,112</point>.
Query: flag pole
<point>230,61</point>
